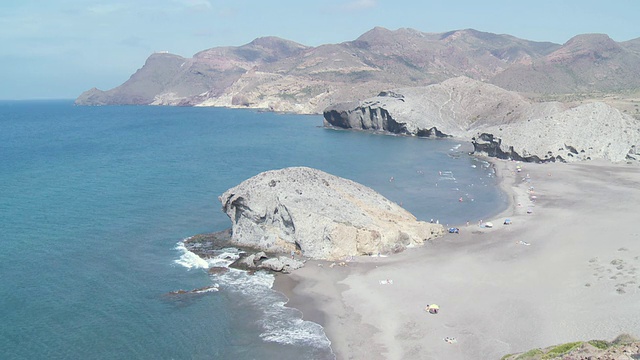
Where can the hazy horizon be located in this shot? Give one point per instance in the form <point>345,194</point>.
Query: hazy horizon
<point>58,49</point>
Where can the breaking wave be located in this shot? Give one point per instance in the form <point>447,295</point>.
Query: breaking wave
<point>278,323</point>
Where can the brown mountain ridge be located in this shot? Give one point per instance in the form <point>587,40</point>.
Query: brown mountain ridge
<point>281,75</point>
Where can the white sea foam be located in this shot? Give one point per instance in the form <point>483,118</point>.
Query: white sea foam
<point>279,323</point>
<point>224,257</point>
<point>294,331</point>
<point>212,288</point>
<point>189,259</point>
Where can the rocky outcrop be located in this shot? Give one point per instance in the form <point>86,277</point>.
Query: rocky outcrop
<point>260,260</point>
<point>492,146</point>
<point>499,123</point>
<point>589,131</point>
<point>455,107</point>
<point>319,215</point>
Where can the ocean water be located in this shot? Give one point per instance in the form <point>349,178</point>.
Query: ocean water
<point>94,202</point>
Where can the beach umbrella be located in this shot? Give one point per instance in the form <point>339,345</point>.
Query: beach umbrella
<point>488,224</point>
<point>434,306</point>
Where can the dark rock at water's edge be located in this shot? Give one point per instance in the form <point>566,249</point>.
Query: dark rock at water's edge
<point>371,115</point>
<point>491,146</point>
<point>499,123</point>
<point>251,259</point>
<point>205,245</point>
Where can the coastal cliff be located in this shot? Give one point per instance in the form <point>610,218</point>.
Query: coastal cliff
<point>498,122</point>
<point>319,215</point>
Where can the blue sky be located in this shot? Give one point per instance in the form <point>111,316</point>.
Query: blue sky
<point>59,48</point>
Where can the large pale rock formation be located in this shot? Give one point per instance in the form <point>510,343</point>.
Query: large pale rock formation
<point>499,123</point>
<point>455,107</point>
<point>320,215</point>
<point>589,131</point>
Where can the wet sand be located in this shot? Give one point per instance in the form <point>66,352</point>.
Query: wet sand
<point>566,269</point>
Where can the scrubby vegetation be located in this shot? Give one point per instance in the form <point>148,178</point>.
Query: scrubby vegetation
<point>596,349</point>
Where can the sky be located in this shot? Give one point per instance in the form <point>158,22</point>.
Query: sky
<point>56,49</point>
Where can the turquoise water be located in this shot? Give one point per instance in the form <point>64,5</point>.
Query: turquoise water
<point>94,200</point>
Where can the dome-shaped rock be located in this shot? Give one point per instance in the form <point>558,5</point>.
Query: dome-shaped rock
<point>321,215</point>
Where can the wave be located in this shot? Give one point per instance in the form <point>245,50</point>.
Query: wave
<point>279,324</point>
<point>189,259</point>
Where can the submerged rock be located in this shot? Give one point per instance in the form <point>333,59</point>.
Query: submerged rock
<point>322,216</point>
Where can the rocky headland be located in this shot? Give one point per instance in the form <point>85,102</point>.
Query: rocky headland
<point>307,212</point>
<point>498,122</point>
<point>513,98</point>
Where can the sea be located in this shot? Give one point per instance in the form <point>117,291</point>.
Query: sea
<point>96,201</point>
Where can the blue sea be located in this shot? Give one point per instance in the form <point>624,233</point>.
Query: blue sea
<point>95,201</point>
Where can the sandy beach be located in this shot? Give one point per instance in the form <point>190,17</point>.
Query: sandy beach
<point>566,269</point>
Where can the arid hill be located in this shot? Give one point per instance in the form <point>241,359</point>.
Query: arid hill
<point>624,346</point>
<point>281,75</point>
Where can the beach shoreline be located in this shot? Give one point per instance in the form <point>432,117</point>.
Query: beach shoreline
<point>567,268</point>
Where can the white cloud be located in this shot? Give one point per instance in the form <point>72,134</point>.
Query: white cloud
<point>360,4</point>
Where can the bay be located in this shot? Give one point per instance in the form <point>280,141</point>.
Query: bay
<point>94,200</point>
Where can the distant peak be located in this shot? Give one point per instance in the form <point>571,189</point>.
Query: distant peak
<point>589,39</point>
<point>375,32</point>
<point>593,42</point>
<point>469,33</point>
<point>380,34</point>
<point>274,41</point>
<point>266,40</point>
<point>592,46</point>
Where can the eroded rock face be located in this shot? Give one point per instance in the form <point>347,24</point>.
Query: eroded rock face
<point>589,131</point>
<point>321,215</point>
<point>456,107</point>
<point>499,123</point>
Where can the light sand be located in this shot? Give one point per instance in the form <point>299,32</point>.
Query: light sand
<point>579,278</point>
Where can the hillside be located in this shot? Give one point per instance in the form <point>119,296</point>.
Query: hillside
<point>624,346</point>
<point>281,75</point>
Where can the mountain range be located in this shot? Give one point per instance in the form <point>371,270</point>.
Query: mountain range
<point>281,75</point>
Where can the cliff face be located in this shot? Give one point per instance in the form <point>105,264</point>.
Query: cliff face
<point>454,107</point>
<point>500,123</point>
<point>589,131</point>
<point>323,216</point>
